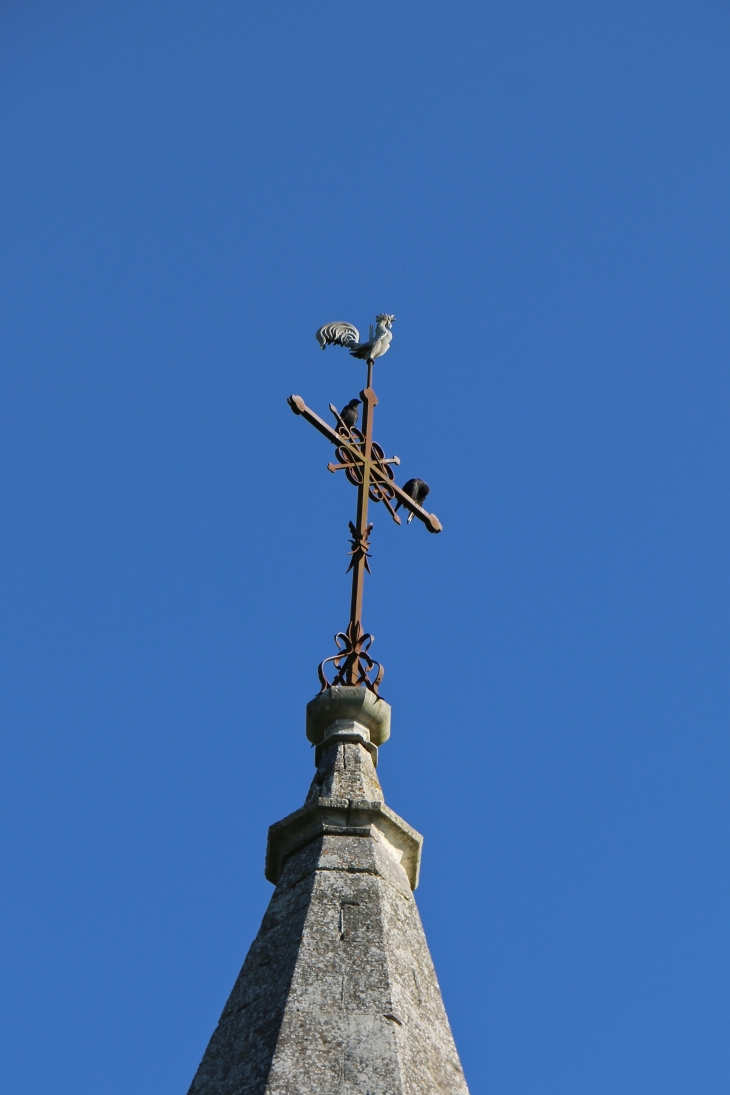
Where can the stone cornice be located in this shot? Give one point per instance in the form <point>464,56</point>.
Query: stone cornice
<point>344,817</point>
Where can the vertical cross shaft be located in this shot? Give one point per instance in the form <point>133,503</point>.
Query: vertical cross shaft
<point>369,401</point>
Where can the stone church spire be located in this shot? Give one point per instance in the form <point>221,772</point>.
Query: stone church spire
<point>338,994</point>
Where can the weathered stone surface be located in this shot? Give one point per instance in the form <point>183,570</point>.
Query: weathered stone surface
<point>345,798</point>
<point>338,994</point>
<point>347,774</point>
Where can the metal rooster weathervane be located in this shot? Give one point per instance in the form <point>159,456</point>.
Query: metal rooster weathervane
<point>366,466</point>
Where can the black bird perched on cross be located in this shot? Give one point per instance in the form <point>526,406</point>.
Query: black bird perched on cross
<point>416,489</point>
<point>349,414</point>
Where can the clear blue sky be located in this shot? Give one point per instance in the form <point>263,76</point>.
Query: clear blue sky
<point>539,192</point>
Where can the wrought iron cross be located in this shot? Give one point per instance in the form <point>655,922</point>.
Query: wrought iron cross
<point>366,466</point>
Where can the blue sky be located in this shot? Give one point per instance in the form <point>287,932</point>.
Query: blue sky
<point>539,192</point>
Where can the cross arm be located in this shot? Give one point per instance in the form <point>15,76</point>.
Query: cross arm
<point>430,520</point>
<point>298,405</point>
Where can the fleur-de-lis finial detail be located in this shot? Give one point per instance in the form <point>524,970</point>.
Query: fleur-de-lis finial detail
<point>360,544</point>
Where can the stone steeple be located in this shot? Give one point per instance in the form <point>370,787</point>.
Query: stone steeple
<point>338,994</point>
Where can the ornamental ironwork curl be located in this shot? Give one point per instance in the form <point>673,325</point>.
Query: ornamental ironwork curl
<point>380,488</point>
<point>353,663</point>
<point>351,462</point>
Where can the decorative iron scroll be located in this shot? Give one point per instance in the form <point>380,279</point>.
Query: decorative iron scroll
<point>352,662</point>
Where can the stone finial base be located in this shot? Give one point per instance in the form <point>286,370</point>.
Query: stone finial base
<point>345,708</point>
